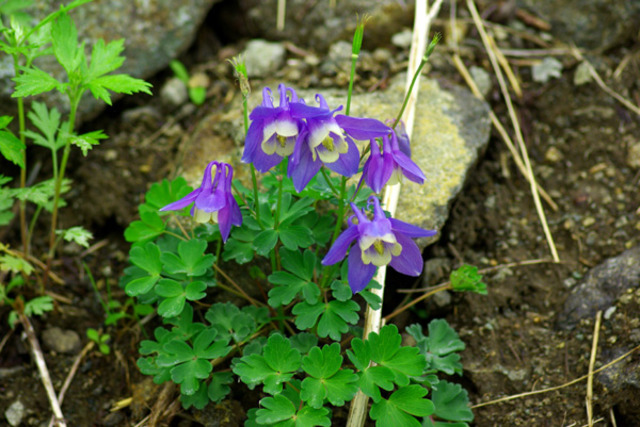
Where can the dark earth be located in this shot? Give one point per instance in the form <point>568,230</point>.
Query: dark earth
<point>585,149</point>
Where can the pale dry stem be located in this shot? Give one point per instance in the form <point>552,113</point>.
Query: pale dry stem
<point>44,372</point>
<point>592,362</point>
<point>516,126</point>
<point>72,372</point>
<point>373,318</point>
<point>559,387</point>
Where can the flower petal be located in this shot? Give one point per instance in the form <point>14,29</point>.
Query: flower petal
<point>185,201</point>
<point>362,128</point>
<point>409,169</point>
<point>347,163</point>
<point>409,261</point>
<point>359,274</point>
<point>401,227</point>
<point>253,141</point>
<point>302,167</point>
<point>340,246</point>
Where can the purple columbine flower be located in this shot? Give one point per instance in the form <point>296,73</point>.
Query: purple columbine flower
<point>273,131</point>
<point>388,166</point>
<point>380,241</point>
<point>213,201</point>
<point>328,140</point>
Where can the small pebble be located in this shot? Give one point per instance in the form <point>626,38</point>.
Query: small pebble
<point>609,312</point>
<point>174,92</point>
<point>553,155</point>
<point>402,39</point>
<point>15,413</point>
<point>61,341</point>
<point>263,58</point>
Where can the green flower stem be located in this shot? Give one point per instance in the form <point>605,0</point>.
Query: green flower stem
<point>341,210</point>
<point>74,100</point>
<point>352,77</point>
<point>23,171</point>
<point>276,221</point>
<point>326,277</point>
<point>254,179</point>
<point>328,179</point>
<point>425,58</point>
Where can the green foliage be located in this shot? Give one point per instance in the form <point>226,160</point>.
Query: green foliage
<point>276,365</point>
<point>440,347</point>
<point>326,380</point>
<point>11,147</point>
<point>6,201</point>
<point>197,94</point>
<point>451,403</point>
<point>300,318</point>
<point>394,363</point>
<point>78,235</point>
<point>100,339</point>
<point>296,280</point>
<point>402,407</point>
<point>467,279</point>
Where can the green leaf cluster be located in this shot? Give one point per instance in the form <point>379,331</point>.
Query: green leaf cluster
<point>467,279</point>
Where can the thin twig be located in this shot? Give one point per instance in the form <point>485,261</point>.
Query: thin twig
<point>488,270</point>
<point>576,53</point>
<point>42,368</point>
<point>516,127</point>
<point>72,372</point>
<point>239,291</point>
<point>506,67</point>
<point>5,339</point>
<point>462,69</point>
<point>570,383</point>
<point>592,362</point>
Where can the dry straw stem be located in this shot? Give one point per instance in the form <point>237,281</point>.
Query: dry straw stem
<point>592,362</point>
<point>621,99</point>
<point>42,368</point>
<point>501,130</point>
<point>72,372</point>
<point>559,387</point>
<point>373,318</point>
<point>516,127</point>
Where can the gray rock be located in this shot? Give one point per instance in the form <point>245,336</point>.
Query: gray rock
<point>338,57</point>
<point>592,24</point>
<point>174,92</point>
<point>154,31</point>
<point>600,288</point>
<point>316,25</point>
<point>15,413</point>
<point>263,58</point>
<point>402,39</point>
<point>61,341</point>
<point>482,79</point>
<point>451,128</point>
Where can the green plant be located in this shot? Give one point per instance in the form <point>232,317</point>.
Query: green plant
<point>100,339</point>
<point>55,35</point>
<point>197,91</point>
<point>299,343</point>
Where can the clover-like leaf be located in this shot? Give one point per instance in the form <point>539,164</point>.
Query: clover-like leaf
<point>451,402</point>
<point>440,347</point>
<point>402,407</point>
<point>334,317</point>
<point>146,257</point>
<point>326,380</point>
<point>191,259</point>
<point>276,366</point>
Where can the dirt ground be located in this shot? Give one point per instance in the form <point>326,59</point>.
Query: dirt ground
<point>585,150</point>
